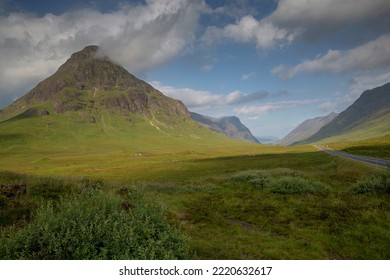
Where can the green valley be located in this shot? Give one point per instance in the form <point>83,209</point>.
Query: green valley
<point>97,164</point>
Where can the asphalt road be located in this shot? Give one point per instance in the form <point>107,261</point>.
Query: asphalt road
<point>370,160</point>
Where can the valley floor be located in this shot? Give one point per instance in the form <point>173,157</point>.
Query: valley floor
<point>238,202</point>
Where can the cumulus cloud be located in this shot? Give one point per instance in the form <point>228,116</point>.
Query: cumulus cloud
<point>249,30</point>
<point>369,56</point>
<point>255,111</point>
<point>139,37</point>
<point>311,18</point>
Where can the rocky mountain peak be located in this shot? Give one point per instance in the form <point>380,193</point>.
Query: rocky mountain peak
<point>90,81</point>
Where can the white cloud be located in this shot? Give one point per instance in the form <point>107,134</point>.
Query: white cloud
<point>237,97</point>
<point>200,98</point>
<point>191,98</point>
<point>254,111</point>
<point>369,56</point>
<point>249,30</point>
<point>248,76</point>
<point>312,18</point>
<point>138,37</point>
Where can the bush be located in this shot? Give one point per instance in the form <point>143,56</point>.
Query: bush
<point>296,185</point>
<point>379,183</point>
<point>247,175</point>
<point>284,172</point>
<point>95,226</point>
<point>257,178</point>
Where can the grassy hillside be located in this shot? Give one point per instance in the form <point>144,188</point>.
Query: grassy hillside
<point>306,129</point>
<point>376,126</point>
<point>378,147</point>
<point>67,144</point>
<point>367,117</point>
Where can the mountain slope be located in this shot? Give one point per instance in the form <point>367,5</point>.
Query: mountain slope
<point>306,129</point>
<point>229,126</point>
<point>93,105</point>
<point>368,116</point>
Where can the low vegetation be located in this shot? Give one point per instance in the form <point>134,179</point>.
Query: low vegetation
<point>378,147</point>
<point>379,183</point>
<point>91,224</point>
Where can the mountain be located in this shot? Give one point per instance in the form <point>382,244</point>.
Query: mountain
<point>229,126</point>
<point>306,129</point>
<point>91,104</point>
<point>268,139</point>
<point>367,117</point>
<point>88,81</point>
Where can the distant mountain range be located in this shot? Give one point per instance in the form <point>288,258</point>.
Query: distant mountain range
<point>367,117</point>
<point>306,129</point>
<point>230,126</point>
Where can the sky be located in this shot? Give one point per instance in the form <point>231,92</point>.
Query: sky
<point>272,63</point>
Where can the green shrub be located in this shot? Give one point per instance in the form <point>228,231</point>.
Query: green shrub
<point>278,172</point>
<point>49,188</point>
<point>247,175</point>
<point>256,178</point>
<point>95,225</point>
<point>296,185</point>
<point>379,183</point>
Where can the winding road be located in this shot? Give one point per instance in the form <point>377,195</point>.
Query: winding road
<point>370,160</point>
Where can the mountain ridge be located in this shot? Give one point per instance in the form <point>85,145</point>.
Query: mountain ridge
<point>368,116</point>
<point>230,126</point>
<point>306,129</point>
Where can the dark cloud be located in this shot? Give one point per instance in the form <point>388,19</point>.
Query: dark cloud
<point>358,19</point>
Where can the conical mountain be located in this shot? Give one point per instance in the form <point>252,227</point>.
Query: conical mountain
<point>88,80</point>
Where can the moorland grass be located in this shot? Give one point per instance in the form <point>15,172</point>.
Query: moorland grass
<point>218,193</point>
<point>378,183</point>
<point>378,147</point>
<point>88,223</point>
<point>234,220</point>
